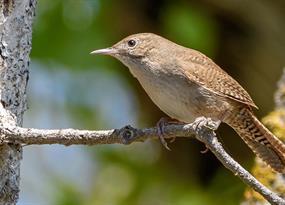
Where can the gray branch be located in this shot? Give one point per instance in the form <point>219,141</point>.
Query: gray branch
<point>202,129</point>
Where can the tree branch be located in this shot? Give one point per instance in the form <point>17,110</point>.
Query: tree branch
<point>125,135</point>
<point>202,129</point>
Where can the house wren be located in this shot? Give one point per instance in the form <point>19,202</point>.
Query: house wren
<point>185,84</point>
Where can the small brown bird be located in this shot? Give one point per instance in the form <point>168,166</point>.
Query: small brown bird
<point>185,84</point>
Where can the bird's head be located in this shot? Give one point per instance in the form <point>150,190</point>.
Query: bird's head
<point>137,49</point>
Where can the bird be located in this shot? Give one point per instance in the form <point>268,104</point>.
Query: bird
<point>186,84</point>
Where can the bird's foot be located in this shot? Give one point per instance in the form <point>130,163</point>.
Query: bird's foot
<point>206,122</point>
<point>160,130</point>
<point>205,150</point>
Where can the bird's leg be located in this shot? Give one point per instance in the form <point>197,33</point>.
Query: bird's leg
<point>160,129</point>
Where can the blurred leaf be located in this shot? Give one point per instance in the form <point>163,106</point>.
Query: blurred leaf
<point>191,27</point>
<point>68,195</point>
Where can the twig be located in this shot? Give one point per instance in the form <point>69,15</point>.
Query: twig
<point>202,129</point>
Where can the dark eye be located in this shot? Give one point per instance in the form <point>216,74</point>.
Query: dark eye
<point>132,43</point>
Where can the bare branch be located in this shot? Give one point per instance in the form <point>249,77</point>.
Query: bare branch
<point>125,135</point>
<point>202,129</point>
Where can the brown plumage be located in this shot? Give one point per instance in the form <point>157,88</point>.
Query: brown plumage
<point>186,84</point>
<point>263,143</point>
<point>209,75</point>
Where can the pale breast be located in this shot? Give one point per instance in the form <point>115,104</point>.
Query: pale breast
<point>180,98</point>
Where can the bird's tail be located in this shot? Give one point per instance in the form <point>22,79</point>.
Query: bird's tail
<point>263,143</point>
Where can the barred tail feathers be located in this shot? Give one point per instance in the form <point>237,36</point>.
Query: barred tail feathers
<point>262,142</point>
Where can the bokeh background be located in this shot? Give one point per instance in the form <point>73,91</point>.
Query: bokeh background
<point>70,88</point>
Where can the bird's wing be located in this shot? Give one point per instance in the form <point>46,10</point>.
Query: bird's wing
<point>206,73</point>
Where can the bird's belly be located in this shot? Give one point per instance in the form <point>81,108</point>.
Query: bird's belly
<point>176,104</point>
<point>183,100</point>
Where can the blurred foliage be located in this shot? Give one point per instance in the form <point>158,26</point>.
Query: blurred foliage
<point>275,121</point>
<point>193,27</point>
<point>245,38</point>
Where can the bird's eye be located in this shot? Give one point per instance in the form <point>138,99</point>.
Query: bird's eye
<point>132,43</point>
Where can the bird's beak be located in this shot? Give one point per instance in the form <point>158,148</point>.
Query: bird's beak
<point>104,51</point>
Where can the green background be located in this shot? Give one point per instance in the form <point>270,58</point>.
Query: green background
<point>70,88</point>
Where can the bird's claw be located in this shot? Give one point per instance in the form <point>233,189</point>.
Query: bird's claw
<point>172,139</point>
<point>160,131</point>
<point>205,150</point>
<point>205,122</point>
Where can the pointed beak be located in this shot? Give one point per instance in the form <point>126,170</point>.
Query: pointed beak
<point>104,51</point>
